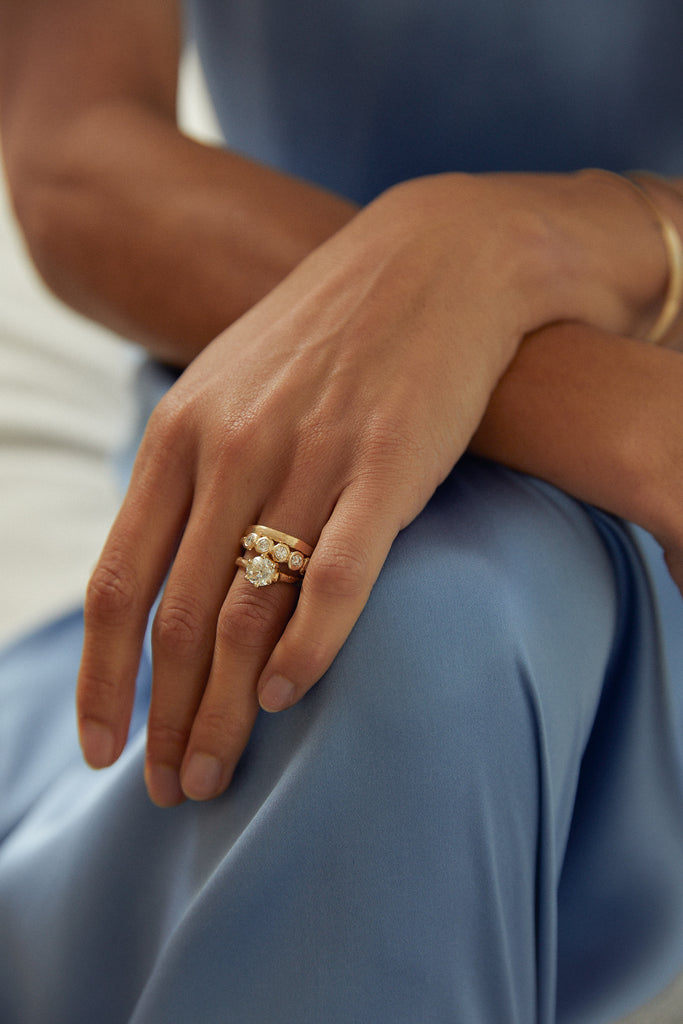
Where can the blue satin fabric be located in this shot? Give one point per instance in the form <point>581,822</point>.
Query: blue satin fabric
<point>360,94</point>
<point>477,816</point>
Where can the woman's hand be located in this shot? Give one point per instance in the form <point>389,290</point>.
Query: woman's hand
<point>331,411</point>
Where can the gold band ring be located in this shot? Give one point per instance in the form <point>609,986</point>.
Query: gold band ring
<point>261,571</point>
<point>279,547</point>
<point>274,552</point>
<point>280,538</point>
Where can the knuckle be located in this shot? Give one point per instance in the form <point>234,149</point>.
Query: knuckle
<point>165,740</point>
<point>171,429</point>
<point>218,732</point>
<point>337,574</point>
<point>249,622</point>
<point>240,434</point>
<point>179,627</point>
<point>96,696</point>
<point>397,469</point>
<point>243,441</point>
<point>170,418</point>
<point>112,592</point>
<point>313,658</point>
<point>389,435</point>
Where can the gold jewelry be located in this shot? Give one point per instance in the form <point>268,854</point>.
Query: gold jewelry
<point>280,547</point>
<point>273,552</point>
<point>673,300</point>
<point>262,571</point>
<point>283,538</point>
<point>674,255</point>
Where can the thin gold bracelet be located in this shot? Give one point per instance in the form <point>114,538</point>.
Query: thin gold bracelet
<point>673,300</point>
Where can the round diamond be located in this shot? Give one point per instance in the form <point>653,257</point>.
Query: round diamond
<point>280,552</point>
<point>249,541</point>
<point>296,560</point>
<point>261,571</point>
<point>263,545</point>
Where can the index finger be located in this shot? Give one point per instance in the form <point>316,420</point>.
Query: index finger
<point>343,569</point>
<point>121,591</point>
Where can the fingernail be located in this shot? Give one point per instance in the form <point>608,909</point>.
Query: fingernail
<point>97,743</point>
<point>276,694</point>
<point>163,784</point>
<point>202,778</point>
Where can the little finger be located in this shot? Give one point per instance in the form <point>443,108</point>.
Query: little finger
<point>122,589</point>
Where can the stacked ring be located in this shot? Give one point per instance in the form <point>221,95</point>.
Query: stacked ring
<point>274,553</point>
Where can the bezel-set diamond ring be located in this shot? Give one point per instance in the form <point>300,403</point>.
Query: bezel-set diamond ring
<point>278,557</point>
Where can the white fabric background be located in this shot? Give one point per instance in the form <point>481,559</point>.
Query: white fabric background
<point>66,404</point>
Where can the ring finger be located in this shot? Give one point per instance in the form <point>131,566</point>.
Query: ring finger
<point>249,624</point>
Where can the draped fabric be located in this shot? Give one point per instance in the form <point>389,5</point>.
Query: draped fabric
<point>360,94</point>
<point>477,815</point>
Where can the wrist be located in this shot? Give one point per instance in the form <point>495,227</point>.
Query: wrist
<point>653,246</point>
<point>665,198</point>
<point>582,247</point>
<point>492,241</point>
<point>609,266</point>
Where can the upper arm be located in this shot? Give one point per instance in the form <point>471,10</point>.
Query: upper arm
<point>60,59</point>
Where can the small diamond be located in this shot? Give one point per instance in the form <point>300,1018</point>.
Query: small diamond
<point>296,560</point>
<point>261,571</point>
<point>249,541</point>
<point>280,552</point>
<point>263,545</point>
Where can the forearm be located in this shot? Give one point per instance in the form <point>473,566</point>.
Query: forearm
<point>169,241</point>
<point>598,416</point>
<point>159,237</point>
<point>162,238</point>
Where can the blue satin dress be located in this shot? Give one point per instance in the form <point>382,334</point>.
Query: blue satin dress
<point>476,817</point>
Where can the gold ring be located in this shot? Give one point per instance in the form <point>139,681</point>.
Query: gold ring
<point>278,547</point>
<point>277,557</point>
<point>282,538</point>
<point>261,571</point>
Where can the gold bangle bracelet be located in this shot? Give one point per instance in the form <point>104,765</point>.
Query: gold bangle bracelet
<point>673,299</point>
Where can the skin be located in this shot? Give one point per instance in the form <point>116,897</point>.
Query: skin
<point>366,350</point>
<point>155,235</point>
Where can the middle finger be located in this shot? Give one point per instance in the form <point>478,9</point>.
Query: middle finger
<point>183,637</point>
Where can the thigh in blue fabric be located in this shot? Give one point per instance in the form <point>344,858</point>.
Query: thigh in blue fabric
<point>429,836</point>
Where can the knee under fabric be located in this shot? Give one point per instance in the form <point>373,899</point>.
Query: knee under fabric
<point>474,816</point>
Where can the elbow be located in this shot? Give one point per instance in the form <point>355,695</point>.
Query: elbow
<point>43,194</point>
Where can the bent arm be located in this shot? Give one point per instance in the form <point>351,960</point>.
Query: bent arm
<point>168,241</point>
<point>160,237</point>
<point>157,236</point>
